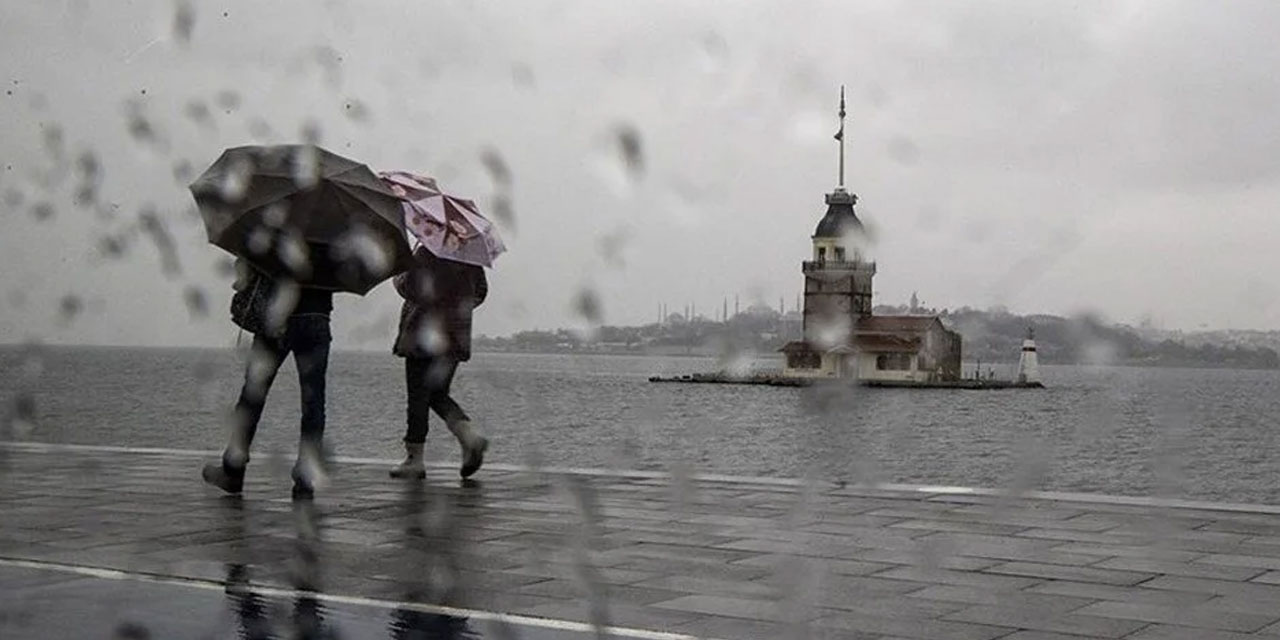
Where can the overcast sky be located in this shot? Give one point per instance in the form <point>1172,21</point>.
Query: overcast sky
<point>1117,157</point>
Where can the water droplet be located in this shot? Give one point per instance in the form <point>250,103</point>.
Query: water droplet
<point>260,130</point>
<point>156,229</point>
<point>904,151</point>
<point>235,182</point>
<point>587,305</point>
<point>715,52</point>
<point>611,246</point>
<point>356,110</point>
<point>431,336</point>
<point>131,631</point>
<point>200,114</point>
<point>197,304</point>
<point>497,167</point>
<point>69,307</point>
<point>503,211</point>
<point>310,133</point>
<point>282,304</point>
<point>13,198</point>
<point>629,146</point>
<point>140,127</point>
<point>225,267</point>
<point>184,21</point>
<point>522,76</point>
<point>306,167</point>
<point>42,211</point>
<point>183,172</point>
<point>227,100</point>
<point>53,140</point>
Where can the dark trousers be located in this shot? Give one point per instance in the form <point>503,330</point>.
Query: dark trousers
<point>307,337</point>
<point>427,383</point>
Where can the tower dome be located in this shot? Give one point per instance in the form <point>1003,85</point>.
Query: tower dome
<point>840,221</point>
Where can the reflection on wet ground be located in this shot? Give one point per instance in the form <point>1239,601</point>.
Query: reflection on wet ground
<point>47,603</point>
<point>97,541</point>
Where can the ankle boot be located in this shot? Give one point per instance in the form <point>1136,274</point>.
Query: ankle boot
<point>412,467</point>
<point>473,446</point>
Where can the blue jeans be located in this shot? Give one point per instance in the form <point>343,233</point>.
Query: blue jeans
<point>307,337</point>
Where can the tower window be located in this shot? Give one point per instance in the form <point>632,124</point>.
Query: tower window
<point>839,254</point>
<point>822,254</point>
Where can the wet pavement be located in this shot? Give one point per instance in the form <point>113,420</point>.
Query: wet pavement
<point>105,543</point>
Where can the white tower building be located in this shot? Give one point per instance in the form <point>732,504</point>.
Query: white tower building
<point>1028,365</point>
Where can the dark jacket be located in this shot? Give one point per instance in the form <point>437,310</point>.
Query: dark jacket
<point>255,295</point>
<point>439,296</point>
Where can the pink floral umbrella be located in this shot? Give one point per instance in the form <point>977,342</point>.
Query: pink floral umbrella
<point>450,227</point>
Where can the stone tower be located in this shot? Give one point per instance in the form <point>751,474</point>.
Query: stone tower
<point>837,280</point>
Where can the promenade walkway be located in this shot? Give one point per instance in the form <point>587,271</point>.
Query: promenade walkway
<point>97,541</point>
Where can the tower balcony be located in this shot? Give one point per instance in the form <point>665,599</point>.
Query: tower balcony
<point>829,266</point>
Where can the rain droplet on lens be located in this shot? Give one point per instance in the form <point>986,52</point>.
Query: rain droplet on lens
<point>356,110</point>
<point>235,182</point>
<point>140,126</point>
<point>13,198</point>
<point>522,75</point>
<point>184,21</point>
<point>197,304</point>
<point>156,229</point>
<point>22,415</point>
<point>53,140</point>
<point>629,146</point>
<point>611,246</point>
<point>183,172</point>
<point>131,631</point>
<point>199,113</point>
<point>70,306</point>
<point>260,130</point>
<point>225,267</point>
<point>715,52</point>
<point>587,305</point>
<point>904,151</point>
<point>42,211</point>
<point>113,246</point>
<point>504,211</point>
<point>496,166</point>
<point>306,166</point>
<point>310,132</point>
<point>227,99</point>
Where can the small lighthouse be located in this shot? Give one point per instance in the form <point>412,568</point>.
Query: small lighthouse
<point>1028,365</point>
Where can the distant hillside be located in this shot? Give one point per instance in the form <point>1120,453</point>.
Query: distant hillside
<point>992,336</point>
<point>989,335</point>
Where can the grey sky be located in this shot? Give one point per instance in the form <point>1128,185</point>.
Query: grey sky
<point>1120,157</point>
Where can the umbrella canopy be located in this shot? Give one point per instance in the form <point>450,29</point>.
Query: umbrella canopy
<point>306,214</point>
<point>450,227</point>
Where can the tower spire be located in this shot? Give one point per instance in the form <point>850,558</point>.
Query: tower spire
<point>840,136</point>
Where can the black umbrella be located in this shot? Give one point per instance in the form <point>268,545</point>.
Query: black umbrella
<point>306,214</point>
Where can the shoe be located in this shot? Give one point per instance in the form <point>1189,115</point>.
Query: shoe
<point>303,489</point>
<point>473,456</point>
<point>227,478</point>
<point>412,467</point>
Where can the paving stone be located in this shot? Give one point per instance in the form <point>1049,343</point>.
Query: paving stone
<point>1235,560</point>
<point>1173,632</point>
<point>917,558</point>
<point>1191,569</point>
<point>753,609</point>
<point>960,526</point>
<point>1270,577</point>
<point>774,561</point>
<point>722,627</point>
<point>1061,623</point>
<point>916,629</point>
<point>1128,551</point>
<point>1197,616</point>
<point>1140,595</point>
<point>1063,572</point>
<point>1032,602</point>
<point>964,578</point>
<point>1250,590</point>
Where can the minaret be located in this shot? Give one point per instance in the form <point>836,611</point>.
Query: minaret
<point>837,287</point>
<point>1028,364</point>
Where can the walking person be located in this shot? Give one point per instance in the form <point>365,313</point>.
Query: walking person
<point>435,336</point>
<point>305,333</point>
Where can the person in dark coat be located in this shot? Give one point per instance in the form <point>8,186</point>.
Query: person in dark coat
<point>435,336</point>
<point>283,319</point>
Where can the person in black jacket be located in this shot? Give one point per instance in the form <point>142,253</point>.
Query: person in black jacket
<point>283,319</point>
<point>435,336</point>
